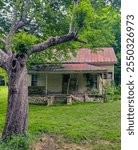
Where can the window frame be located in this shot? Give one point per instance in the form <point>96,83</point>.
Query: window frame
<point>34,80</point>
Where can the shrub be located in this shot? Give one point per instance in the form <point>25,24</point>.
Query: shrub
<point>19,142</point>
<point>36,90</point>
<point>112,92</point>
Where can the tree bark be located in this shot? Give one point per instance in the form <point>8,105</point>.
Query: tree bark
<point>17,109</point>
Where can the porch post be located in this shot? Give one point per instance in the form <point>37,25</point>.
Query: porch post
<point>68,85</point>
<point>46,84</point>
<point>102,83</point>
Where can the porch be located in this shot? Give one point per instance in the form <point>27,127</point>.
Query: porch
<point>66,83</point>
<point>47,88</point>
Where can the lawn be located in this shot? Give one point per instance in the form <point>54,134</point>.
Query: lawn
<point>79,122</point>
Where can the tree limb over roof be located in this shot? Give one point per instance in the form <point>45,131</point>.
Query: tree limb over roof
<point>24,19</point>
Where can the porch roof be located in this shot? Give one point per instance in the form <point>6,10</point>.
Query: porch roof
<point>67,67</point>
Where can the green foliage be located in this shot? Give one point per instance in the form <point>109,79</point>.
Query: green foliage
<point>118,69</point>
<point>96,24</point>
<point>22,42</point>
<point>112,92</point>
<point>36,90</point>
<point>3,74</point>
<point>97,21</point>
<point>84,13</point>
<point>1,4</point>
<point>56,55</point>
<point>16,143</point>
<point>94,91</point>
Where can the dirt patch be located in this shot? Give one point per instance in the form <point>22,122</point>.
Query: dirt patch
<point>54,142</point>
<point>51,142</point>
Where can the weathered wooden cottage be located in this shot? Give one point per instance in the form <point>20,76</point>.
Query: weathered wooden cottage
<point>88,73</point>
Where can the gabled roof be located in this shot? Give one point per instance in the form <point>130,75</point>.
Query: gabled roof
<point>85,60</point>
<point>100,55</point>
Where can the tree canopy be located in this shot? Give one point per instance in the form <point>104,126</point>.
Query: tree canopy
<point>96,21</point>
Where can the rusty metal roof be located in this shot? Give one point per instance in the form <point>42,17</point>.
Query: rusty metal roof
<point>85,60</point>
<point>100,55</point>
<point>81,67</point>
<point>67,67</point>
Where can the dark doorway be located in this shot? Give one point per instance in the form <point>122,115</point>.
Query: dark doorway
<point>65,83</point>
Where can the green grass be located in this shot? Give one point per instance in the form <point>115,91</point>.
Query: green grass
<point>3,102</point>
<point>78,122</point>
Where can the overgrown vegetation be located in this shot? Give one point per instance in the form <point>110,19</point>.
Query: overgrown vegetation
<point>3,77</point>
<point>36,90</point>
<point>112,92</point>
<point>93,122</point>
<point>16,143</point>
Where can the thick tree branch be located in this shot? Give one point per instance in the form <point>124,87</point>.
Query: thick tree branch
<point>3,41</point>
<point>4,44</point>
<point>51,42</point>
<point>18,24</point>
<point>77,39</point>
<point>25,7</point>
<point>14,28</point>
<point>81,41</point>
<point>15,14</point>
<point>54,41</point>
<point>3,59</point>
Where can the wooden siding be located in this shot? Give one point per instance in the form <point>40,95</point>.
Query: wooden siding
<point>82,83</point>
<point>54,80</point>
<point>54,83</point>
<point>29,79</point>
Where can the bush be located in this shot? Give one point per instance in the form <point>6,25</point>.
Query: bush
<point>19,142</point>
<point>36,90</point>
<point>112,92</point>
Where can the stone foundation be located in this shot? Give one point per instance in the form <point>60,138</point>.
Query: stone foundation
<point>41,100</point>
<point>37,100</point>
<point>69,99</point>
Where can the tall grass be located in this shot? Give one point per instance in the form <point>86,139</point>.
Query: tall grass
<point>16,143</point>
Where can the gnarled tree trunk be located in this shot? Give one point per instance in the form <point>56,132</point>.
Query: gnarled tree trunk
<point>17,109</point>
<point>15,65</point>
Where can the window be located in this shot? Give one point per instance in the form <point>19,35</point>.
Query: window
<point>34,80</point>
<point>91,81</point>
<point>108,75</point>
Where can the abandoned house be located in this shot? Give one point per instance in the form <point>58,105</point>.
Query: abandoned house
<point>88,72</point>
